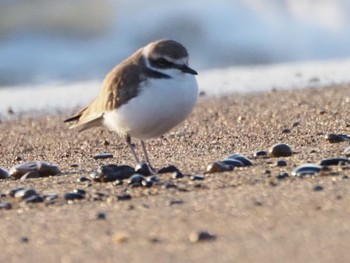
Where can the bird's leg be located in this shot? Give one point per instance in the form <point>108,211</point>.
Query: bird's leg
<point>132,148</point>
<point>143,145</point>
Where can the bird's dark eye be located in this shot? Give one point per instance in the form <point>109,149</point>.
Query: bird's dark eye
<point>162,62</point>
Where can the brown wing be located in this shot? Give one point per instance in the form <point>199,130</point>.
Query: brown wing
<point>120,85</point>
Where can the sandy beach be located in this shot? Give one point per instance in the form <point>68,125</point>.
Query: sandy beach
<point>250,214</point>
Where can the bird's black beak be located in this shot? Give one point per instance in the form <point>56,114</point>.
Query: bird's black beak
<point>187,69</point>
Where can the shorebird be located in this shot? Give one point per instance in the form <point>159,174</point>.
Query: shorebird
<point>144,96</point>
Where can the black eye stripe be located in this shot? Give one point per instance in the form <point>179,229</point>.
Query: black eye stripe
<point>161,63</point>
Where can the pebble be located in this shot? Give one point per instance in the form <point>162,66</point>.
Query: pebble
<point>34,199</point>
<point>335,138</point>
<point>280,150</point>
<point>286,130</point>
<point>101,216</point>
<point>201,236</point>
<point>347,151</point>
<point>12,192</point>
<point>309,169</point>
<point>50,197</point>
<point>112,172</point>
<point>103,156</point>
<point>240,158</point>
<point>73,196</point>
<point>260,153</point>
<point>233,163</point>
<point>197,177</point>
<point>281,163</point>
<point>25,193</point>
<point>218,167</point>
<point>123,197</point>
<point>83,179</point>
<point>143,168</point>
<point>42,168</point>
<point>318,188</point>
<point>6,206</point>
<point>282,176</point>
<point>4,173</point>
<point>334,161</point>
<point>177,175</point>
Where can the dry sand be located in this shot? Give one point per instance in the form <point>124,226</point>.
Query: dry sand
<point>253,216</point>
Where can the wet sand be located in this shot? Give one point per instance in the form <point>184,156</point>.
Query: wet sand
<point>253,216</point>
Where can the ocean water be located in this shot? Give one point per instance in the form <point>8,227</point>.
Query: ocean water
<point>236,45</point>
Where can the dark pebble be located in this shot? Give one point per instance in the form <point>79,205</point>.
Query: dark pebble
<point>197,177</point>
<point>124,197</point>
<point>144,169</point>
<point>103,156</point>
<point>335,138</point>
<point>42,168</point>
<point>34,199</point>
<point>73,196</point>
<point>101,216</point>
<point>26,193</point>
<point>175,202</point>
<point>233,163</point>
<point>334,161</point>
<point>309,169</point>
<point>111,172</point>
<point>170,186</point>
<point>24,240</point>
<point>79,191</point>
<point>282,176</point>
<point>6,206</point>
<point>286,130</point>
<point>241,158</point>
<point>281,163</point>
<point>260,153</point>
<point>345,177</point>
<point>318,188</point>
<point>218,167</point>
<point>280,150</point>
<point>201,236</point>
<point>153,178</point>
<point>4,173</point>
<point>83,179</point>
<point>168,169</point>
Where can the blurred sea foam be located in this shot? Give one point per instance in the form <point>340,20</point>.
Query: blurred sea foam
<point>72,40</point>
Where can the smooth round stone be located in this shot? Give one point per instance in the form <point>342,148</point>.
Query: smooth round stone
<point>101,216</point>
<point>201,236</point>
<point>280,150</point>
<point>281,163</point>
<point>30,175</point>
<point>143,168</point>
<point>309,169</point>
<point>103,156</point>
<point>79,191</point>
<point>218,167</point>
<point>335,138</point>
<point>334,161</point>
<point>154,178</point>
<point>42,168</point>
<point>4,173</point>
<point>260,153</point>
<point>168,169</point>
<point>347,151</point>
<point>112,172</point>
<point>6,206</point>
<point>286,130</point>
<point>34,199</point>
<point>318,188</point>
<point>73,196</point>
<point>25,193</point>
<point>241,158</point>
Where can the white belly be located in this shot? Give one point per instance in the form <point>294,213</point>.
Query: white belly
<point>160,106</point>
